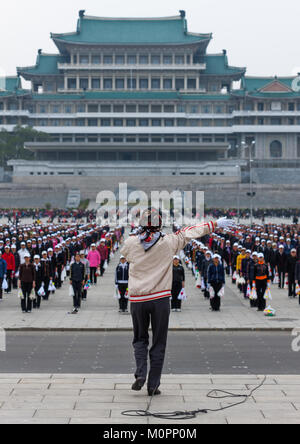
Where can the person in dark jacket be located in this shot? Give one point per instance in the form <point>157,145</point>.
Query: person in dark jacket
<point>261,280</point>
<point>216,278</point>
<point>77,276</point>
<point>38,281</point>
<point>250,276</point>
<point>121,281</point>
<point>177,285</point>
<point>17,266</point>
<point>205,264</point>
<point>227,256</point>
<point>45,265</point>
<point>244,271</point>
<point>281,259</point>
<point>26,283</point>
<point>291,268</point>
<point>272,259</point>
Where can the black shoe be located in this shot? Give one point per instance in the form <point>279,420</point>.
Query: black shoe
<point>138,385</point>
<point>153,392</point>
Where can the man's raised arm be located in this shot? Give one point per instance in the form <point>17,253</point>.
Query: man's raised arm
<point>180,239</point>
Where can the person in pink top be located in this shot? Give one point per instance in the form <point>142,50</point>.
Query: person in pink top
<point>94,259</point>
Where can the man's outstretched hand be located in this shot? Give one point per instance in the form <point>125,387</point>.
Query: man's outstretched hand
<point>225,223</point>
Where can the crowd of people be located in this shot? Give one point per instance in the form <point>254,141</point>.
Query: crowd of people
<point>252,257</point>
<point>36,260</point>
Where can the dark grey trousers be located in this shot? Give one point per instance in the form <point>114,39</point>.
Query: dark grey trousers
<point>157,313</point>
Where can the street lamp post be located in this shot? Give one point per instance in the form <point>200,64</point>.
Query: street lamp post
<point>251,177</point>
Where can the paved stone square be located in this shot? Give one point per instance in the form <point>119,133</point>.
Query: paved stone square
<point>101,310</point>
<point>101,399</point>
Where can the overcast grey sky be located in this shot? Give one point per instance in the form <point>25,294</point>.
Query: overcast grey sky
<point>263,35</point>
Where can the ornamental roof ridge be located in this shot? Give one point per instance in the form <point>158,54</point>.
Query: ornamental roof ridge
<point>90,17</point>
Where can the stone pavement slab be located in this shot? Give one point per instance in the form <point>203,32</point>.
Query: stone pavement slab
<point>269,405</point>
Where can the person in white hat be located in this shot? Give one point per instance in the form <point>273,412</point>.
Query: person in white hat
<point>121,282</point>
<point>290,269</point>
<point>281,264</point>
<point>261,280</point>
<point>216,278</point>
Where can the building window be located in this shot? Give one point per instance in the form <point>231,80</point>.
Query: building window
<point>169,109</point>
<point>56,109</point>
<point>118,108</point>
<point>143,122</point>
<point>96,60</point>
<point>181,122</point>
<point>80,122</point>
<point>105,108</point>
<point>131,83</point>
<point>206,109</point>
<point>107,60</point>
<point>144,60</point>
<point>144,84</point>
<point>168,60</point>
<point>120,83</point>
<point>120,60</point>
<point>68,109</point>
<point>95,83</point>
<point>118,122</point>
<point>155,60</point>
<point>105,122</point>
<point>92,108</point>
<point>84,60</point>
<point>169,122</point>
<point>130,122</point>
<point>260,106</point>
<point>156,122</point>
<point>276,149</point>
<point>92,122</point>
<point>107,84</point>
<point>131,108</point>
<point>191,83</point>
<point>275,121</point>
<point>291,106</point>
<point>156,108</point>
<point>179,60</point>
<point>144,109</point>
<point>71,83</point>
<point>131,60</point>
<point>168,83</point>
<point>179,84</point>
<point>155,84</point>
<point>181,108</point>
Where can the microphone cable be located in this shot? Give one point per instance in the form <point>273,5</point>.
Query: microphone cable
<point>186,415</point>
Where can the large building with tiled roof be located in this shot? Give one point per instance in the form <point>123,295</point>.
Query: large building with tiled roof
<point>129,97</point>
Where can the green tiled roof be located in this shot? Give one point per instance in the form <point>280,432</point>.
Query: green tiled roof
<point>217,64</point>
<point>257,83</point>
<point>46,64</point>
<point>98,30</point>
<point>116,95</point>
<point>11,86</point>
<point>251,86</point>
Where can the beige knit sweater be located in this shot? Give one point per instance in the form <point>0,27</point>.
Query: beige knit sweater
<point>151,272</point>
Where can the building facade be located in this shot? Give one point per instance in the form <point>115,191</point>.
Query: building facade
<point>143,97</point>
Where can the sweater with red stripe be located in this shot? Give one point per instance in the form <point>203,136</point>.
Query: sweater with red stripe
<point>151,272</point>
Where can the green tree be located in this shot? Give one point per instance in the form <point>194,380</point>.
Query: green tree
<point>12,143</point>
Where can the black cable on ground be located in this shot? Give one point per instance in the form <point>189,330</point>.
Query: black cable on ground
<point>184,415</point>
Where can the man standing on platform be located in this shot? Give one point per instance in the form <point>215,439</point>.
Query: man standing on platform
<point>150,255</point>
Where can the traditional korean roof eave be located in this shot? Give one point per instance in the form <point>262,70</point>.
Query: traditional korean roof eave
<point>103,31</point>
<point>38,70</point>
